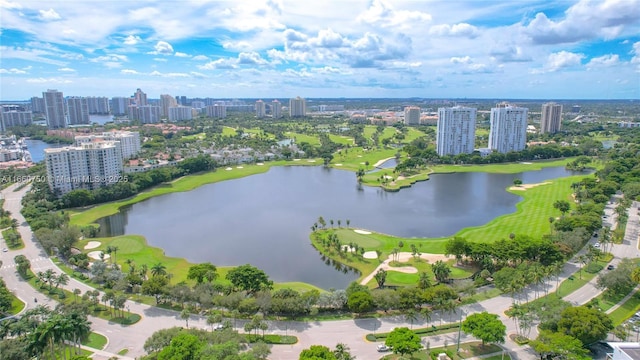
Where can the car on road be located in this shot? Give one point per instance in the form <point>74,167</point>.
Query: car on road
<point>610,267</point>
<point>596,245</point>
<point>218,327</point>
<point>383,348</point>
<point>5,250</point>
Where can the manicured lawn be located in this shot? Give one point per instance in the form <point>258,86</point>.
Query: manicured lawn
<point>228,131</point>
<point>626,310</point>
<point>577,281</point>
<point>95,341</point>
<point>343,140</point>
<point>505,168</point>
<point>16,244</point>
<point>426,331</point>
<point>300,138</point>
<point>16,305</point>
<point>412,134</point>
<point>467,350</point>
<point>356,158</point>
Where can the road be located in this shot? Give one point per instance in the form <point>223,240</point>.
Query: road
<point>329,333</point>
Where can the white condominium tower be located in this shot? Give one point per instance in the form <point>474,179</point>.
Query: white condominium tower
<point>129,141</point>
<point>551,118</point>
<point>119,105</point>
<point>88,166</point>
<point>297,107</point>
<point>54,109</point>
<point>140,98</point>
<point>412,115</point>
<point>276,109</point>
<point>78,108</point>
<point>508,128</point>
<point>217,111</point>
<point>180,113</point>
<point>98,105</point>
<point>456,130</point>
<point>261,109</point>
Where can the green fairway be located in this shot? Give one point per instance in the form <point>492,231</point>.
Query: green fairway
<point>300,138</point>
<point>412,134</point>
<point>342,140</point>
<point>228,131</point>
<point>357,158</point>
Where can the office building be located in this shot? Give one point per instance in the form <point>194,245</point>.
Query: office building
<point>198,104</point>
<point>88,166</point>
<point>14,117</point>
<point>412,115</point>
<point>119,105</point>
<point>140,98</point>
<point>78,108</point>
<point>217,111</point>
<point>261,109</point>
<point>297,107</point>
<point>37,104</point>
<point>54,109</point>
<point>456,130</point>
<point>180,113</point>
<point>276,109</point>
<point>508,128</point>
<point>551,118</point>
<point>129,141</point>
<point>98,105</point>
<point>166,102</point>
<point>148,114</point>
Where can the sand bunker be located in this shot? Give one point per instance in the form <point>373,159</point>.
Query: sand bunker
<point>296,159</point>
<point>338,164</point>
<point>528,186</point>
<point>526,163</point>
<point>229,169</point>
<point>96,255</point>
<point>92,244</point>
<point>259,164</point>
<point>311,161</point>
<point>363,232</point>
<point>239,167</point>
<point>370,255</point>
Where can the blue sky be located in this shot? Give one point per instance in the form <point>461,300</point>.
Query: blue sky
<point>345,48</point>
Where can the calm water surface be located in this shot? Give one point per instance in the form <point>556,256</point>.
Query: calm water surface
<point>265,219</point>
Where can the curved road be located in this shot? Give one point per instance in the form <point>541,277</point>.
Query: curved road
<point>329,333</point>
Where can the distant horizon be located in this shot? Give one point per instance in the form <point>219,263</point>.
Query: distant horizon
<point>527,49</point>
<point>356,98</point>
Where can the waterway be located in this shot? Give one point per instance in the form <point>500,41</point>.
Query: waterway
<point>36,149</point>
<point>265,219</point>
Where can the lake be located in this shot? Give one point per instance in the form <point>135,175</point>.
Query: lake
<point>36,149</point>
<point>265,219</point>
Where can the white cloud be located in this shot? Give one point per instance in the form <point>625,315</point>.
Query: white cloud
<point>382,14</point>
<point>172,75</point>
<point>200,58</point>
<point>461,60</point>
<point>560,60</point>
<point>129,72</point>
<point>12,71</point>
<point>132,40</point>
<point>42,80</point>
<point>49,15</point>
<point>198,75</point>
<point>66,69</point>
<point>181,54</point>
<point>222,63</point>
<point>585,20</point>
<point>110,57</point>
<point>251,58</point>
<point>30,54</point>
<point>162,48</point>
<point>604,61</point>
<point>462,29</point>
<point>160,59</point>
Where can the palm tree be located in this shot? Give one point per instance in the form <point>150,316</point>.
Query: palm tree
<point>425,280</point>
<point>426,313</point>
<point>348,223</point>
<point>551,220</point>
<point>76,292</point>
<point>411,315</point>
<point>158,269</point>
<point>62,279</point>
<point>342,352</point>
<point>184,315</point>
<point>213,319</point>
<point>583,261</point>
<point>143,271</point>
<point>441,271</point>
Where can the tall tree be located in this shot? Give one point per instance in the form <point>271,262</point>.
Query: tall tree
<point>486,327</point>
<point>249,278</point>
<point>403,341</point>
<point>381,277</point>
<point>586,324</point>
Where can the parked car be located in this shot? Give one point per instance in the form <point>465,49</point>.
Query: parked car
<point>218,327</point>
<point>596,245</point>
<point>610,267</point>
<point>383,348</point>
<point>5,250</point>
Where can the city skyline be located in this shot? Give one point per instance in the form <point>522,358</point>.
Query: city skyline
<point>282,49</point>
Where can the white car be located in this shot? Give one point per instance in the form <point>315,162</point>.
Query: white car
<point>218,327</point>
<point>5,250</point>
<point>596,245</point>
<point>383,348</point>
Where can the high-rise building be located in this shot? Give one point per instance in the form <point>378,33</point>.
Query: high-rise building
<point>132,112</point>
<point>456,130</point>
<point>149,114</point>
<point>140,98</point>
<point>182,100</point>
<point>166,102</point>
<point>276,109</point>
<point>37,104</point>
<point>88,166</point>
<point>508,128</point>
<point>180,113</point>
<point>98,105</point>
<point>217,111</point>
<point>12,116</point>
<point>78,108</point>
<point>297,107</point>
<point>551,118</point>
<point>261,109</point>
<point>119,105</point>
<point>54,109</point>
<point>412,115</point>
<point>129,141</point>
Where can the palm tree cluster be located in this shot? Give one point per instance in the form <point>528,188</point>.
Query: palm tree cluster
<point>51,278</point>
<point>332,241</point>
<point>45,333</point>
